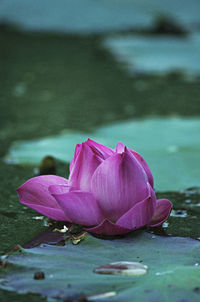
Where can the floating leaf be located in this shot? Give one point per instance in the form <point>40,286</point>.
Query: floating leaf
<point>173,269</point>
<point>156,55</point>
<point>122,268</point>
<point>97,16</point>
<point>171,146</point>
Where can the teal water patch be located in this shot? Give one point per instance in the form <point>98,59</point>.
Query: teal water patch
<point>96,16</point>
<point>166,269</point>
<point>156,54</point>
<point>170,146</point>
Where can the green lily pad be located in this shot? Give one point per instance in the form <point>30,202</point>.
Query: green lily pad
<point>156,55</point>
<point>96,16</point>
<point>64,271</point>
<point>171,146</point>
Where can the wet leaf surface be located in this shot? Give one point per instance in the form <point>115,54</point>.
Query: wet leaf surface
<point>156,54</point>
<point>173,268</point>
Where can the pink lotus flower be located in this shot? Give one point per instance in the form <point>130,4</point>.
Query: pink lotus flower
<point>108,191</point>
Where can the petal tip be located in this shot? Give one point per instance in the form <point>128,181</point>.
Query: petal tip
<point>162,212</point>
<point>106,227</point>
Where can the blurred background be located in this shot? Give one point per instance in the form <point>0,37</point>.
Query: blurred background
<point>111,70</point>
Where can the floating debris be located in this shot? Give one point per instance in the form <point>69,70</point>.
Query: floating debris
<point>18,248</point>
<point>187,200</point>
<point>48,166</point>
<point>38,217</point>
<point>122,268</point>
<point>75,229</point>
<point>39,276</point>
<point>63,230</point>
<point>179,213</point>
<point>3,263</point>
<point>165,225</point>
<point>101,296</point>
<point>46,223</point>
<point>163,273</point>
<point>76,239</point>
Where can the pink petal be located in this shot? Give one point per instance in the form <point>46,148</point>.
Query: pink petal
<point>81,207</point>
<point>83,168</point>
<point>118,184</point>
<point>77,150</point>
<point>59,189</point>
<point>163,209</point>
<point>120,147</point>
<point>34,194</point>
<point>144,165</point>
<point>106,151</point>
<point>108,228</point>
<point>140,214</point>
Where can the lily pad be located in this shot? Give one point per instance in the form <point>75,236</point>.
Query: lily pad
<point>173,269</point>
<point>171,146</point>
<point>156,55</point>
<point>96,16</point>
